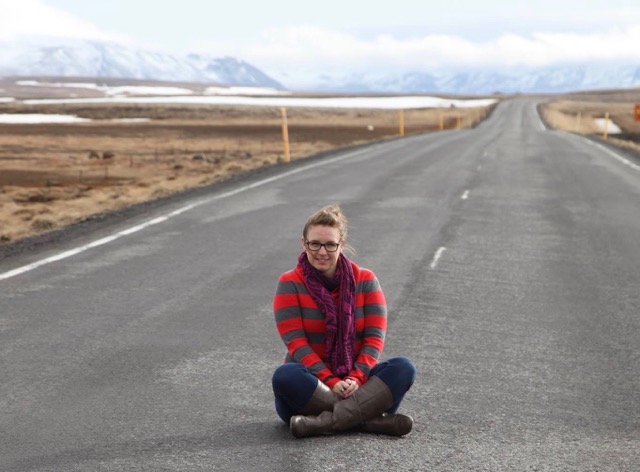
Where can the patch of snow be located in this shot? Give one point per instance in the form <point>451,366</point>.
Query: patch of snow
<point>144,90</point>
<point>607,125</point>
<point>36,118</point>
<point>7,99</point>
<point>131,120</point>
<point>397,103</point>
<point>111,90</point>
<point>244,91</point>
<point>36,83</point>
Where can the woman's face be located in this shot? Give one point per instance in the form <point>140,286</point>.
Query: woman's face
<point>323,260</point>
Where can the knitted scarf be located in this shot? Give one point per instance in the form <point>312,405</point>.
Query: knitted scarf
<point>339,320</point>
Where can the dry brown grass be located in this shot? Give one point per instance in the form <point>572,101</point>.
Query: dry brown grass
<point>47,179</point>
<point>577,113</point>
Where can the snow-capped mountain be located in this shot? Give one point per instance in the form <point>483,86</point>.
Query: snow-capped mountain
<point>78,58</point>
<point>473,82</point>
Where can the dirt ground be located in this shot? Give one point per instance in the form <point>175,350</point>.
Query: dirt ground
<point>53,175</point>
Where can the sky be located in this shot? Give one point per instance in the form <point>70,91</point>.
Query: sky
<point>352,35</point>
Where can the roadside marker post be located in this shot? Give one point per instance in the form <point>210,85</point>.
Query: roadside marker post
<point>401,122</point>
<point>606,126</point>
<point>636,112</point>
<point>579,120</point>
<point>285,134</point>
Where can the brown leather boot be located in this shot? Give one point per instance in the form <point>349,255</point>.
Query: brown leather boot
<point>392,425</point>
<point>367,403</point>
<point>323,399</point>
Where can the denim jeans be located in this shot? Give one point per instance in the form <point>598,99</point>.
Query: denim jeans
<point>294,384</point>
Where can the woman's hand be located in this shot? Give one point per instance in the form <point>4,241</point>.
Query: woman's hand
<point>346,387</point>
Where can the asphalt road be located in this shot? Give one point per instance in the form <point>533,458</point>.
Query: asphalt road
<point>510,257</point>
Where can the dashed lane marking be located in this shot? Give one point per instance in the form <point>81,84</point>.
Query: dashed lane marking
<point>437,256</point>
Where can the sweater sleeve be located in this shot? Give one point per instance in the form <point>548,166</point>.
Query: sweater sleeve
<point>375,327</point>
<point>288,314</point>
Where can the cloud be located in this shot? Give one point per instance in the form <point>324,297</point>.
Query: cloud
<point>312,47</point>
<point>25,18</point>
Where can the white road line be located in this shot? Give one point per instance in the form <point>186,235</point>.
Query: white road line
<point>613,154</point>
<point>465,195</point>
<point>437,256</point>
<point>163,218</point>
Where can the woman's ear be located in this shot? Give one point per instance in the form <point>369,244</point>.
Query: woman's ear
<point>304,247</point>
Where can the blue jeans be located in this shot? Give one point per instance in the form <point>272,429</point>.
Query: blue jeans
<point>294,384</point>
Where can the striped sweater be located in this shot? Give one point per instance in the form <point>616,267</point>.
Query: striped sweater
<point>301,325</point>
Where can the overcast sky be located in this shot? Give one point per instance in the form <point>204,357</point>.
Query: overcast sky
<point>354,34</point>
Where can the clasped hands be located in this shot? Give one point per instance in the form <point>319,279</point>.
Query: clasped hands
<point>346,387</point>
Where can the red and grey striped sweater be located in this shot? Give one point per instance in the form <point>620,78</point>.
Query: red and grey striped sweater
<point>301,324</point>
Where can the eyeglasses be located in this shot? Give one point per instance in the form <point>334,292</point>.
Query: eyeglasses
<point>316,246</point>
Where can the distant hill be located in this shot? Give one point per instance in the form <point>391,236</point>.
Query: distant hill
<point>559,79</point>
<point>79,58</point>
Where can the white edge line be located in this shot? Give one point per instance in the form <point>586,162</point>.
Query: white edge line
<point>162,219</point>
<point>437,256</point>
<point>613,154</point>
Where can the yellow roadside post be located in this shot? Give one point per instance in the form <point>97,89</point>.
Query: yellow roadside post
<point>285,134</point>
<point>401,122</point>
<point>441,119</point>
<point>606,126</point>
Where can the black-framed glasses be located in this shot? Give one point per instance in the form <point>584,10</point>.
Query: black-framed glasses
<point>316,246</point>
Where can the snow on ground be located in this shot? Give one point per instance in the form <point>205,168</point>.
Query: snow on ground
<point>255,96</point>
<point>143,90</point>
<point>398,103</point>
<point>131,120</point>
<point>39,118</point>
<point>112,90</point>
<point>607,125</point>
<point>244,91</point>
<point>33,118</point>
<point>154,89</point>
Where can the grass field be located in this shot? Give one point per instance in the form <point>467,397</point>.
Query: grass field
<point>578,113</point>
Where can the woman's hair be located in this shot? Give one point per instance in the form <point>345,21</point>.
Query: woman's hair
<point>330,215</point>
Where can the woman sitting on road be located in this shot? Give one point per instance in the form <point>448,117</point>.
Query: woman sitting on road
<point>332,316</point>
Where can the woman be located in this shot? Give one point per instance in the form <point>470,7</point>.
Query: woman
<point>332,316</point>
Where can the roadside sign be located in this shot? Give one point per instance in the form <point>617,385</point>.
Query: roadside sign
<point>636,113</point>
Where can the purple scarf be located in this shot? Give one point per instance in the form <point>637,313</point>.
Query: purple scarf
<point>339,320</point>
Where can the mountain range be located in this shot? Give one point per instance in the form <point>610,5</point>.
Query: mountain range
<point>80,58</point>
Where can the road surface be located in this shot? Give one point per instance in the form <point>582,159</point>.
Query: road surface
<point>510,257</point>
